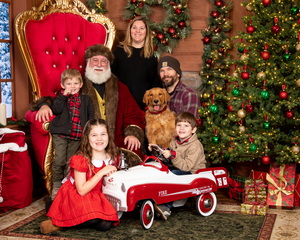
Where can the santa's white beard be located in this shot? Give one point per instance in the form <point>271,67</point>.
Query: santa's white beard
<point>97,77</point>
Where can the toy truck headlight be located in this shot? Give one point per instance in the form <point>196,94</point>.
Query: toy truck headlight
<point>123,188</point>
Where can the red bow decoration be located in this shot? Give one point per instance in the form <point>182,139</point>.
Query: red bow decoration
<point>234,188</point>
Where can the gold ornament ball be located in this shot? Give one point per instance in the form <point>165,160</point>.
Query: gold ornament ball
<point>298,47</point>
<point>219,88</point>
<point>242,128</point>
<point>206,95</point>
<point>261,75</point>
<point>296,149</point>
<point>244,57</point>
<point>179,6</point>
<point>249,8</point>
<point>215,55</point>
<point>241,113</point>
<point>235,74</point>
<point>298,82</point>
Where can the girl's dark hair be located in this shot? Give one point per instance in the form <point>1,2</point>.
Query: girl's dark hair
<point>85,147</point>
<point>186,117</point>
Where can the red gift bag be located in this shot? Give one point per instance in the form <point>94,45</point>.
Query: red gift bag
<point>16,182</point>
<point>259,175</point>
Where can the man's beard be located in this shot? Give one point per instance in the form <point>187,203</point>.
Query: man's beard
<point>169,83</point>
<point>97,77</point>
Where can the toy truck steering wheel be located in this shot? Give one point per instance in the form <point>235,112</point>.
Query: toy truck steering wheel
<point>162,167</point>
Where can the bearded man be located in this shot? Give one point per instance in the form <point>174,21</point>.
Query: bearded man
<point>183,98</point>
<point>112,101</point>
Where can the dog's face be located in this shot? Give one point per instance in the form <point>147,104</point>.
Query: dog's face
<point>156,99</point>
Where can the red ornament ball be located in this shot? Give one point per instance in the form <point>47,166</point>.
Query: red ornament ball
<point>221,50</point>
<point>219,3</point>
<point>266,159</point>
<point>204,104</point>
<point>199,122</point>
<point>133,1</point>
<point>141,5</point>
<point>289,114</point>
<point>160,36</point>
<point>178,11</point>
<point>249,108</point>
<point>275,29</point>
<point>181,24</point>
<point>265,55</point>
<point>208,61</point>
<point>230,108</point>
<point>206,40</point>
<point>215,14</point>
<point>245,75</point>
<point>283,95</point>
<point>171,30</point>
<point>250,29</point>
<point>266,2</point>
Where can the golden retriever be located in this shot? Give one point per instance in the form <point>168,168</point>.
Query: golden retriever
<point>160,120</point>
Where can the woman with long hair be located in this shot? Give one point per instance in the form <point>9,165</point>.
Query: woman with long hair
<point>134,63</point>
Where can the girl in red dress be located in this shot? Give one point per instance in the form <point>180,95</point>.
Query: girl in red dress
<point>79,201</point>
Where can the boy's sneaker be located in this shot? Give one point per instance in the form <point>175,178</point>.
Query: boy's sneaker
<point>163,211</point>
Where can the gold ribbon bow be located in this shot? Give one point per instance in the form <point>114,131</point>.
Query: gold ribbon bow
<point>279,190</point>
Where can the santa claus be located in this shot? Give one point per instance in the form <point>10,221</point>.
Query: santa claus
<point>112,101</point>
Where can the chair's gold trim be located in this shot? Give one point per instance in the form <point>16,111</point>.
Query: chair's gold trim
<point>48,166</point>
<point>46,8</point>
<point>48,160</point>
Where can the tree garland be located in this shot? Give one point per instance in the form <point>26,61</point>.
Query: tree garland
<point>167,33</point>
<point>97,5</point>
<point>216,46</point>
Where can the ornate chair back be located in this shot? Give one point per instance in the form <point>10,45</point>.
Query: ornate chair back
<point>52,38</point>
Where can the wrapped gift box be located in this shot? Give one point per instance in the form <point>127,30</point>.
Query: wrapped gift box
<point>255,191</point>
<point>236,184</point>
<point>281,185</point>
<point>297,191</point>
<point>254,208</point>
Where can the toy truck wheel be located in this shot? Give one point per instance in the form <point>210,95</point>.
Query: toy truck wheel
<point>206,204</point>
<point>147,214</point>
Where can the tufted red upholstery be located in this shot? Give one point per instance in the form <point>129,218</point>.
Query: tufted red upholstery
<point>53,37</point>
<point>57,42</point>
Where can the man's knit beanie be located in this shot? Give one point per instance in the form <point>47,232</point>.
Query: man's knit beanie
<point>168,61</point>
<point>99,49</point>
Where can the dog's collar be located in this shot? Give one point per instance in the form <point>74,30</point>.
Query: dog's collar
<point>164,109</point>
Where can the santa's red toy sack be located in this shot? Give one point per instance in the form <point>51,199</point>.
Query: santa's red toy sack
<point>15,171</point>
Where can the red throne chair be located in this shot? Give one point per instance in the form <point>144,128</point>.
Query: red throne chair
<point>54,37</point>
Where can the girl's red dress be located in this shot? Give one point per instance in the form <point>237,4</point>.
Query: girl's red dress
<point>70,209</point>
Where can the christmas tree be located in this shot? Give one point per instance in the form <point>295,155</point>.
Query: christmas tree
<point>256,117</point>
